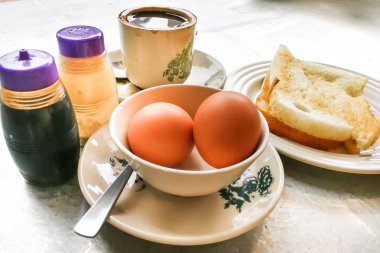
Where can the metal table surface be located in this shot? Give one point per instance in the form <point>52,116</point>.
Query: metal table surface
<point>319,211</point>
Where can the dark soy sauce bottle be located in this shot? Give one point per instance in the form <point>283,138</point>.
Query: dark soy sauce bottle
<point>38,121</point>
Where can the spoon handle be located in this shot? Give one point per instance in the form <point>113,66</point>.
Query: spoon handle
<point>90,224</point>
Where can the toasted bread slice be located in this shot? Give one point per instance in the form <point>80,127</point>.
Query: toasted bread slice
<point>281,129</point>
<point>317,105</point>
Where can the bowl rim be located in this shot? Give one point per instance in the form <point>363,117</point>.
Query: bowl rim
<point>264,139</point>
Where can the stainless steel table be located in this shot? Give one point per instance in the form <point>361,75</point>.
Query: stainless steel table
<point>320,210</point>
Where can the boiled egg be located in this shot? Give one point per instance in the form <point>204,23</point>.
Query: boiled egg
<point>161,133</point>
<point>227,128</point>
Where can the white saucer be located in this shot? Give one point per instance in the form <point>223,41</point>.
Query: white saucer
<point>248,80</point>
<point>147,213</point>
<point>206,70</point>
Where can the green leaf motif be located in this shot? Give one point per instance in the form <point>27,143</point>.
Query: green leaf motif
<point>117,164</point>
<point>180,66</point>
<point>228,195</point>
<point>236,194</point>
<point>122,161</point>
<point>265,180</point>
<point>112,162</point>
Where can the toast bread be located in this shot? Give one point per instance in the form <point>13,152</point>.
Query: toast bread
<point>317,105</point>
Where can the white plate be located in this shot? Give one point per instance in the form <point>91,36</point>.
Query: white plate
<point>206,70</point>
<point>147,213</point>
<point>248,80</point>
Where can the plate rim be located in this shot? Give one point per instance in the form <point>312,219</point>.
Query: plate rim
<point>186,241</point>
<point>282,145</point>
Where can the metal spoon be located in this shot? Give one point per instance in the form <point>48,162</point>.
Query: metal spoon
<point>90,224</point>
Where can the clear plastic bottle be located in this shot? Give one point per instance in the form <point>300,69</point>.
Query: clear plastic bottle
<point>88,77</point>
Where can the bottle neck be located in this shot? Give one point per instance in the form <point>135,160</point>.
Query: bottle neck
<point>29,100</point>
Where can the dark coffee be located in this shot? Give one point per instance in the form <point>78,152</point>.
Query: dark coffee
<point>157,20</point>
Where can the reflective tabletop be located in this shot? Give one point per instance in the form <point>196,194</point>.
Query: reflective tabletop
<point>320,210</point>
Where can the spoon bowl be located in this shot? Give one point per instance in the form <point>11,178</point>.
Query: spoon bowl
<point>90,224</point>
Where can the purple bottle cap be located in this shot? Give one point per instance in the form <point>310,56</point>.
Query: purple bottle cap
<point>27,70</point>
<point>80,41</point>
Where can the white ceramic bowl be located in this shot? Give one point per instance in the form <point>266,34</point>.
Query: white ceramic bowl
<point>194,177</point>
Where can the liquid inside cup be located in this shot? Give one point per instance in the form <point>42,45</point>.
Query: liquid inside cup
<point>156,20</point>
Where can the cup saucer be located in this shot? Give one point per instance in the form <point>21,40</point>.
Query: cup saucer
<point>206,70</point>
<point>147,213</point>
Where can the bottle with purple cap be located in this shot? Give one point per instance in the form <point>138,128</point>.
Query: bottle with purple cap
<point>38,121</point>
<point>88,77</point>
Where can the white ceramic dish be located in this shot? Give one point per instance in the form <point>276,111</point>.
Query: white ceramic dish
<point>248,80</point>
<point>193,177</point>
<point>147,213</point>
<point>206,71</point>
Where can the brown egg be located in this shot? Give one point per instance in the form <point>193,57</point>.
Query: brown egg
<point>226,128</point>
<point>161,133</point>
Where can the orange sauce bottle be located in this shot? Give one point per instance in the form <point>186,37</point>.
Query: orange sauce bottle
<point>87,75</point>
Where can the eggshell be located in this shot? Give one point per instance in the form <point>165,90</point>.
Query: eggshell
<point>226,128</point>
<point>161,133</point>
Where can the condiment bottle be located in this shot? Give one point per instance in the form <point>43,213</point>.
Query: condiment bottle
<point>38,121</point>
<point>87,74</point>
